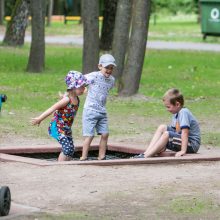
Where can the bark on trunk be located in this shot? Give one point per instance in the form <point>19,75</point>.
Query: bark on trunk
<point>2,11</point>
<point>16,28</point>
<point>108,24</point>
<point>90,13</point>
<point>121,36</point>
<point>37,51</point>
<point>50,12</point>
<point>137,47</point>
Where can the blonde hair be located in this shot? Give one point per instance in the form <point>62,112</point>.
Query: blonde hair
<point>173,96</point>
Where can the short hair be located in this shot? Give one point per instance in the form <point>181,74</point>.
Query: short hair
<point>173,96</point>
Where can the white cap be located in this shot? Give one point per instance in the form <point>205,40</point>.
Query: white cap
<point>106,60</point>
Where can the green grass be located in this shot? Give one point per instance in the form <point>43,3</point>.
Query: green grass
<point>195,73</point>
<point>177,28</point>
<point>184,205</point>
<point>188,70</point>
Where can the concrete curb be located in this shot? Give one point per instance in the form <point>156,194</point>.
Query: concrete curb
<point>6,154</point>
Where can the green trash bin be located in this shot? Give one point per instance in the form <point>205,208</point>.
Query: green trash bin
<point>210,17</point>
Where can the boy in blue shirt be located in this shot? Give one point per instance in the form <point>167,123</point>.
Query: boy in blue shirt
<point>182,136</point>
<point>94,111</point>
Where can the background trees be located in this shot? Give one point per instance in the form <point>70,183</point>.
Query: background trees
<point>49,11</point>
<point>108,25</point>
<point>90,14</point>
<point>136,48</point>
<point>126,39</point>
<point>36,60</point>
<point>129,82</point>
<point>16,27</point>
<point>121,36</point>
<point>2,11</point>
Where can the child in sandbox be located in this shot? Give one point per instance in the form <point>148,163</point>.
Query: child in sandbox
<point>64,113</point>
<point>183,136</point>
<point>94,112</point>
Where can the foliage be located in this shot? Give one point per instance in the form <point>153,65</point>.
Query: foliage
<point>159,6</point>
<point>174,6</point>
<point>9,4</point>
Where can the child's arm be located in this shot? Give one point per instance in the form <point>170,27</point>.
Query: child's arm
<point>63,102</point>
<point>184,138</point>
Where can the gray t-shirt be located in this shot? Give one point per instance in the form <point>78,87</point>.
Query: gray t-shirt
<point>98,91</point>
<point>185,119</point>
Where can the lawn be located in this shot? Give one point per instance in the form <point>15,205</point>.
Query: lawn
<point>195,73</point>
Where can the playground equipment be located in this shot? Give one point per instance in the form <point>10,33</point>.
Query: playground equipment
<point>5,200</point>
<point>3,98</point>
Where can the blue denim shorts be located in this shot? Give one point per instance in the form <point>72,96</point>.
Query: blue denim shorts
<point>175,142</point>
<point>94,121</point>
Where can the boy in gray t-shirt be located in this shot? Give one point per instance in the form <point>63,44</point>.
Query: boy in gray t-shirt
<point>182,136</point>
<point>94,111</point>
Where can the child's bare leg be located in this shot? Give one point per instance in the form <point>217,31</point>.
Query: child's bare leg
<point>159,146</point>
<point>103,146</point>
<point>62,157</point>
<point>86,145</point>
<point>160,130</point>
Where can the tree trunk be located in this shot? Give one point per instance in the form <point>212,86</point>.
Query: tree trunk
<point>16,28</point>
<point>2,11</point>
<point>50,12</point>
<point>90,13</point>
<point>121,36</point>
<point>37,51</point>
<point>108,24</point>
<point>137,47</point>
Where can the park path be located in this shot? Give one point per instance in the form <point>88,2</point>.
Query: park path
<point>161,45</point>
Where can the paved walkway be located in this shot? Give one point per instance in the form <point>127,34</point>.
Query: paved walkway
<point>163,45</point>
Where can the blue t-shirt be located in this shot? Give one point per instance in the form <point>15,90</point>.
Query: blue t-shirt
<point>98,91</point>
<point>185,119</point>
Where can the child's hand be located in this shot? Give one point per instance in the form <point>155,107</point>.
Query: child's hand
<point>180,153</point>
<point>35,121</point>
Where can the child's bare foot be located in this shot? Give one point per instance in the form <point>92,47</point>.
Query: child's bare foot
<point>83,158</point>
<point>102,158</point>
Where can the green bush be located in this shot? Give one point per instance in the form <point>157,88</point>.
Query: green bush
<point>175,6</point>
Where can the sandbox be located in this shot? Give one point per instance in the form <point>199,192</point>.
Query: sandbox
<point>116,155</point>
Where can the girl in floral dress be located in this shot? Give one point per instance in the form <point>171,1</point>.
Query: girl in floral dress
<point>64,113</point>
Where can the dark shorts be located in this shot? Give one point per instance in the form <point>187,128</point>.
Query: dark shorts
<point>67,146</point>
<point>175,142</point>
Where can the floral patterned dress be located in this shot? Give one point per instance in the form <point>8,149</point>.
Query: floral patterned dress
<point>60,125</point>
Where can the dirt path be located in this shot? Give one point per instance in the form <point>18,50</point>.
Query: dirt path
<point>175,191</point>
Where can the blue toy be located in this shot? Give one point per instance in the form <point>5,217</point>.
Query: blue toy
<point>3,98</point>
